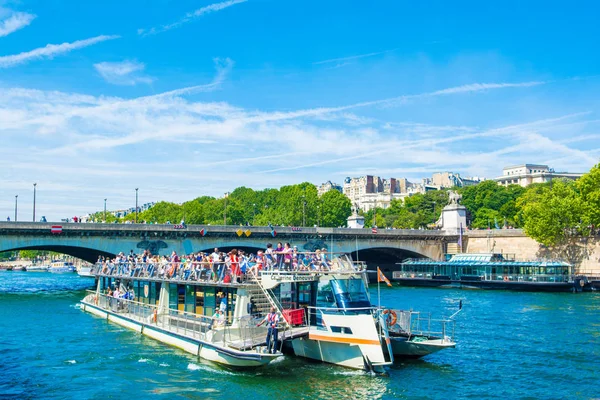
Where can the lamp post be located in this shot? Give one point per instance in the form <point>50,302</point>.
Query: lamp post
<point>318,216</point>
<point>303,210</point>
<point>104,211</point>
<point>16,197</point>
<point>225,209</point>
<point>34,185</point>
<point>253,213</point>
<point>136,204</point>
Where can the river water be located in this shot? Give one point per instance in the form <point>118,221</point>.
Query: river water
<point>510,345</point>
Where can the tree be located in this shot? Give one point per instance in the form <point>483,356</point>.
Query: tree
<point>160,213</point>
<point>555,215</point>
<point>335,209</point>
<point>589,187</point>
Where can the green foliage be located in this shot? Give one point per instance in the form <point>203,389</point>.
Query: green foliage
<point>550,212</point>
<point>489,203</point>
<point>589,188</point>
<point>334,209</point>
<point>555,214</point>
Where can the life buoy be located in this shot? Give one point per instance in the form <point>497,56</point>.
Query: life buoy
<point>391,317</point>
<point>506,279</point>
<point>581,283</point>
<point>154,316</point>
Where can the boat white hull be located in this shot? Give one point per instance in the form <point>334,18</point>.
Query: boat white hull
<point>404,348</point>
<point>197,347</point>
<point>85,272</point>
<point>36,269</point>
<point>61,270</point>
<point>344,354</point>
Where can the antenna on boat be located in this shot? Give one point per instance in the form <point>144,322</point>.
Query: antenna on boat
<point>459,309</point>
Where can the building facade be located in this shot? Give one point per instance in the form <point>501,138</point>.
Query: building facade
<point>441,180</point>
<point>526,174</point>
<point>371,191</point>
<point>327,186</point>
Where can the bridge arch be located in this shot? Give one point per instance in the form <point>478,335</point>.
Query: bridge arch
<point>87,254</point>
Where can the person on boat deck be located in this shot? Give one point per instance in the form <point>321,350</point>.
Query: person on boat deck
<point>235,264</point>
<point>272,320</point>
<point>287,257</point>
<point>279,255</point>
<point>218,319</point>
<point>223,304</point>
<point>269,257</point>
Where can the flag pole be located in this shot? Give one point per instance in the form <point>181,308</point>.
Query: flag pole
<point>378,291</point>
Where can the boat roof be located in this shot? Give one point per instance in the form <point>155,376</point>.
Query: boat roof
<point>475,259</point>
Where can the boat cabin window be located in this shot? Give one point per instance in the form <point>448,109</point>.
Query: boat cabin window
<point>350,293</point>
<point>341,329</point>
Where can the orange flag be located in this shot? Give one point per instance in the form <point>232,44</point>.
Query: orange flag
<point>381,277</point>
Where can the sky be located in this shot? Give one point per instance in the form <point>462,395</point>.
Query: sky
<point>198,97</point>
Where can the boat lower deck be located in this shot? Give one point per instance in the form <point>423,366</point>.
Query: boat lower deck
<point>233,346</point>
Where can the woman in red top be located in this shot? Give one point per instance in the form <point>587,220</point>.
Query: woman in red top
<point>235,264</point>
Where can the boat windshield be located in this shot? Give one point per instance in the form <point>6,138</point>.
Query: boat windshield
<point>350,293</point>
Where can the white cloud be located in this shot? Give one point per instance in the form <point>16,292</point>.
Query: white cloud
<point>51,50</point>
<point>14,21</point>
<point>341,61</point>
<point>190,17</point>
<point>123,73</point>
<point>177,148</point>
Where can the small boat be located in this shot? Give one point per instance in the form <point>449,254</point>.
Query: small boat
<point>85,271</point>
<point>61,267</point>
<point>37,268</point>
<point>411,334</point>
<point>491,271</point>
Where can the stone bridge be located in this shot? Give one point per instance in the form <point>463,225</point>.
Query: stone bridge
<point>88,241</point>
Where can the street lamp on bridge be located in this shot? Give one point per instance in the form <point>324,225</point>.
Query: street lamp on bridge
<point>34,185</point>
<point>225,209</point>
<point>303,210</point>
<point>136,204</point>
<point>16,197</point>
<point>104,211</point>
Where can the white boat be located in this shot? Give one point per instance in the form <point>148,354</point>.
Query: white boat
<point>412,334</point>
<point>61,267</point>
<point>37,268</point>
<point>85,271</point>
<point>326,314</point>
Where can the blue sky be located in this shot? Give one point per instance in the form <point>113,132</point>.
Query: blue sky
<point>195,97</point>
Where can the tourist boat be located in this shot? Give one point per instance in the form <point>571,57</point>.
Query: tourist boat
<point>491,271</point>
<point>85,270</point>
<point>61,267</point>
<point>36,268</point>
<point>327,314</point>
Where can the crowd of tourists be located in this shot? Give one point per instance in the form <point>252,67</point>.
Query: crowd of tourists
<point>218,266</point>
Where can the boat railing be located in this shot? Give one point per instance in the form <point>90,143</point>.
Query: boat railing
<point>204,271</point>
<point>417,323</point>
<point>240,333</point>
